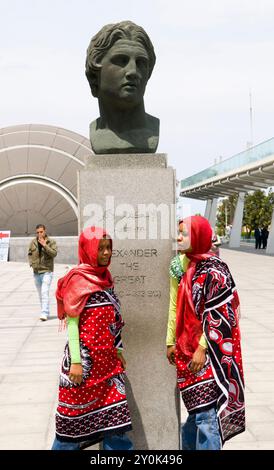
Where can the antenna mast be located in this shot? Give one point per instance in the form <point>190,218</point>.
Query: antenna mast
<point>251,118</point>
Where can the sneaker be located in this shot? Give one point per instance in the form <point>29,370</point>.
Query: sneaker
<point>43,317</point>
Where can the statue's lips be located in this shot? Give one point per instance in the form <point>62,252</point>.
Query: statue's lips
<point>130,85</point>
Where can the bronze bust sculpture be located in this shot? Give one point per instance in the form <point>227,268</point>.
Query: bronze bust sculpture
<point>120,60</point>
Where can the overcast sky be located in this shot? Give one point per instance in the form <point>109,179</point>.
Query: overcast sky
<point>210,54</point>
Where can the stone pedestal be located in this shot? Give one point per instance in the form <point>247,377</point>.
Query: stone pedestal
<point>133,197</point>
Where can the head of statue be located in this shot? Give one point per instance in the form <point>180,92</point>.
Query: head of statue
<point>113,46</point>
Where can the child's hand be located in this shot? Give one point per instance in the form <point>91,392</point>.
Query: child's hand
<point>170,354</point>
<point>76,373</point>
<point>198,359</point>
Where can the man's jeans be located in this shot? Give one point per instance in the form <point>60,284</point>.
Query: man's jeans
<point>43,282</point>
<point>201,431</point>
<point>119,441</point>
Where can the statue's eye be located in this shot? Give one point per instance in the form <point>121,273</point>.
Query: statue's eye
<point>142,62</point>
<point>120,59</point>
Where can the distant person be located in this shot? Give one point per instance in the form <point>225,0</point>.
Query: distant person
<point>41,254</point>
<point>228,230</point>
<point>264,236</point>
<point>92,403</point>
<point>216,243</point>
<point>203,340</point>
<point>258,238</point>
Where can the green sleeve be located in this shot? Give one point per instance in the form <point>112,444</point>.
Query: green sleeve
<point>177,270</point>
<point>171,325</point>
<point>73,338</point>
<point>203,342</point>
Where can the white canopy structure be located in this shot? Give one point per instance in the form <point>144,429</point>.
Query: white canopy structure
<point>247,171</point>
<point>38,178</point>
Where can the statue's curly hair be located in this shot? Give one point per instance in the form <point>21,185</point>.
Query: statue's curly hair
<point>104,40</point>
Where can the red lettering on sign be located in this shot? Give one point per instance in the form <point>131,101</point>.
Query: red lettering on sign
<point>4,235</point>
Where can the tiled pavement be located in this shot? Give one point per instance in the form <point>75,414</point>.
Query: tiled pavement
<point>30,353</point>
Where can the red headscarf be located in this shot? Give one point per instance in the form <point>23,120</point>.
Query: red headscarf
<point>76,286</point>
<point>188,326</point>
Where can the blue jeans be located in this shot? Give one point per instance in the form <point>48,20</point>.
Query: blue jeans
<point>119,441</point>
<point>201,431</point>
<point>43,282</point>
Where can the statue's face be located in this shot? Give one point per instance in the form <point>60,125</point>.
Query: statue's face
<point>124,73</point>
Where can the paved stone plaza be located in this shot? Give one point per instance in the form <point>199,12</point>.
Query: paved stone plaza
<point>30,353</point>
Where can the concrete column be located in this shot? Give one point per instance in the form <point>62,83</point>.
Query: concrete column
<point>208,208</point>
<point>270,241</point>
<point>140,216</point>
<point>213,212</point>
<point>235,236</point>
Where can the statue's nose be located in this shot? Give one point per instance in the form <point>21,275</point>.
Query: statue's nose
<point>132,70</point>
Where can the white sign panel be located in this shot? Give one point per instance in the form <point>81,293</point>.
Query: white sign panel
<point>4,244</point>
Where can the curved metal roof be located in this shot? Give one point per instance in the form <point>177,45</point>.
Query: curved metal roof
<point>38,178</point>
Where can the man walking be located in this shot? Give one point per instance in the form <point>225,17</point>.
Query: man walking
<point>42,251</point>
<point>258,237</point>
<point>264,234</point>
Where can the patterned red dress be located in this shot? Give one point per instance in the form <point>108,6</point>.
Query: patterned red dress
<point>220,383</point>
<point>98,406</point>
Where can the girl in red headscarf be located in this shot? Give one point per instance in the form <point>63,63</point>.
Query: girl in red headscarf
<point>92,399</point>
<point>205,343</point>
